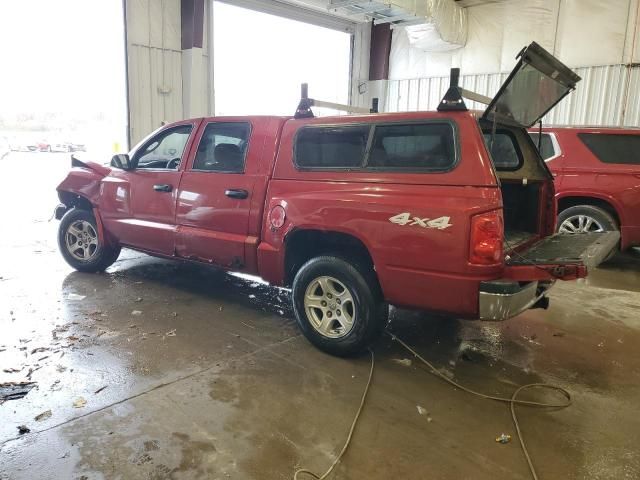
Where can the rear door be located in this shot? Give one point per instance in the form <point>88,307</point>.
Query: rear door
<point>222,193</point>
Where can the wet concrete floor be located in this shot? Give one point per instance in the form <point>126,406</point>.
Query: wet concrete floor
<point>212,380</point>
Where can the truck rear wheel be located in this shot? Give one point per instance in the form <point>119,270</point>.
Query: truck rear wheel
<point>80,245</point>
<point>338,306</point>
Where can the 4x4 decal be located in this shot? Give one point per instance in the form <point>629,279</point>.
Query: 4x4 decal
<point>405,218</point>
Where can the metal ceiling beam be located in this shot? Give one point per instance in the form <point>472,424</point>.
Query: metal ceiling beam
<point>359,9</point>
<point>394,18</point>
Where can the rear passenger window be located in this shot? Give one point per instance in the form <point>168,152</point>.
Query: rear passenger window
<point>223,147</point>
<point>504,152</point>
<point>546,145</point>
<point>613,148</point>
<point>414,146</point>
<point>331,146</point>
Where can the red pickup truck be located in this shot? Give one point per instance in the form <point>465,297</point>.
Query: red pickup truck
<point>596,174</point>
<point>449,211</point>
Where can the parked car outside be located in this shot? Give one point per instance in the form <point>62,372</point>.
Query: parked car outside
<point>597,179</point>
<point>353,213</point>
<point>43,146</point>
<point>68,147</point>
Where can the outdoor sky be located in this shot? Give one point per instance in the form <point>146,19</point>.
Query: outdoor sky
<point>67,56</point>
<point>62,56</point>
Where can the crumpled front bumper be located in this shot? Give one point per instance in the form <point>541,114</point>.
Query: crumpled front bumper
<point>503,299</point>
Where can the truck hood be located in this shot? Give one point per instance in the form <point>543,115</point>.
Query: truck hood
<point>90,165</point>
<point>537,83</point>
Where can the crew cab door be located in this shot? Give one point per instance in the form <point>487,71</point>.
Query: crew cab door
<point>221,194</point>
<point>138,206</point>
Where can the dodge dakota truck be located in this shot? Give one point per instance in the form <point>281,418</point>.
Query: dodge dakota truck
<point>450,211</point>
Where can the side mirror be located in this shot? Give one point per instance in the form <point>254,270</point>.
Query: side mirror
<point>121,161</point>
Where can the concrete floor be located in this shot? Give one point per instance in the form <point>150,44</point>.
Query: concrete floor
<point>212,380</point>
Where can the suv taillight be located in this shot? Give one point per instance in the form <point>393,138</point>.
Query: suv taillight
<point>487,236</point>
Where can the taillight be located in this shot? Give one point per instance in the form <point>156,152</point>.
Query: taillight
<point>487,234</point>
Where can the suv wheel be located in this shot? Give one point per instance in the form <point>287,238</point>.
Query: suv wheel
<point>79,243</point>
<point>587,219</point>
<point>338,305</point>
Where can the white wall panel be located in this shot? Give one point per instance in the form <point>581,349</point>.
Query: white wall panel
<point>581,33</point>
<point>154,65</point>
<point>598,99</point>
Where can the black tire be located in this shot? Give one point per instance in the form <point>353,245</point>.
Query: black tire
<point>371,313</point>
<point>599,215</point>
<point>102,257</point>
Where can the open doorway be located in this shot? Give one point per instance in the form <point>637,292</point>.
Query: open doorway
<point>260,60</point>
<point>62,92</point>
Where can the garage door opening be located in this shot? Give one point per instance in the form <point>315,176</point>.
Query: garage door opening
<point>260,60</point>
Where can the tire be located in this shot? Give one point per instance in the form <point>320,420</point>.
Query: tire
<point>601,220</point>
<point>598,219</point>
<point>97,257</point>
<point>362,303</point>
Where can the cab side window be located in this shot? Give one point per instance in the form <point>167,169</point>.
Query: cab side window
<point>165,150</point>
<point>223,148</point>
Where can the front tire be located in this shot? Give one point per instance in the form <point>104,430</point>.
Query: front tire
<point>80,244</point>
<point>338,306</point>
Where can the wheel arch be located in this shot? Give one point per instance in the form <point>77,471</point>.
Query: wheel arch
<point>606,204</point>
<point>74,200</point>
<point>302,244</point>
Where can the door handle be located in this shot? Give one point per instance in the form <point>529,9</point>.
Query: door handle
<point>236,193</point>
<point>162,187</point>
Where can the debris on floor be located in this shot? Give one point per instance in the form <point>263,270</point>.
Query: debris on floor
<point>14,390</point>
<point>422,410</point>
<point>22,429</point>
<point>75,296</point>
<point>42,416</point>
<point>171,333</point>
<point>503,438</point>
<point>136,312</point>
<point>405,362</point>
<point>79,402</point>
<point>100,389</point>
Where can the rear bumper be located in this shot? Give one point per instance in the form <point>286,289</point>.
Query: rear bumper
<point>503,299</point>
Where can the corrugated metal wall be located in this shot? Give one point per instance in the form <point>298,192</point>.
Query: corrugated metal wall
<point>607,95</point>
<point>155,64</point>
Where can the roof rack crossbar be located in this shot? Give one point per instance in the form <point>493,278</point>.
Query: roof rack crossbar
<point>304,107</point>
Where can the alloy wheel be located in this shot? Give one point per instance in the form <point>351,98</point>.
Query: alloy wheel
<point>580,224</point>
<point>330,307</point>
<point>81,240</point>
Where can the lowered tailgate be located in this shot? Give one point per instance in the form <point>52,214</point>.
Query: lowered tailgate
<point>530,273</point>
<point>564,256</point>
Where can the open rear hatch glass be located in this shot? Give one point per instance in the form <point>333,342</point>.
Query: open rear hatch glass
<point>536,84</point>
<point>564,256</point>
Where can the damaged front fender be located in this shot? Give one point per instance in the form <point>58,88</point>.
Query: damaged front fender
<point>81,187</point>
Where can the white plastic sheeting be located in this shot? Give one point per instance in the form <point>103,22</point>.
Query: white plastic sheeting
<point>605,96</point>
<point>445,28</point>
<point>580,32</point>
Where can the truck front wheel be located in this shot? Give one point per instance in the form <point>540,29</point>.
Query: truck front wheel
<point>338,305</point>
<point>80,245</point>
